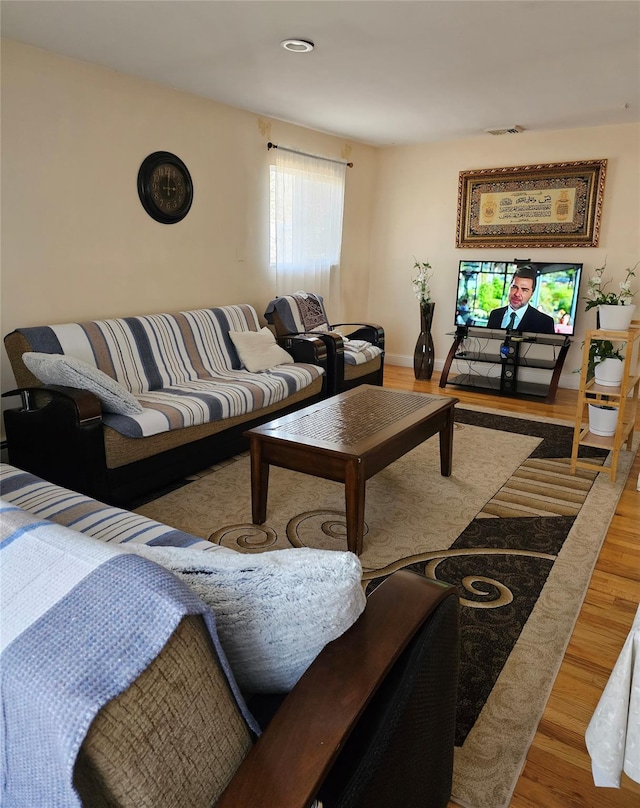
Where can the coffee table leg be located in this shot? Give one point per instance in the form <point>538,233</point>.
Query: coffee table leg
<point>259,482</point>
<point>354,495</point>
<point>446,445</point>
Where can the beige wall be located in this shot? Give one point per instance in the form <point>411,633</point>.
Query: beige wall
<point>415,215</point>
<point>76,242</point>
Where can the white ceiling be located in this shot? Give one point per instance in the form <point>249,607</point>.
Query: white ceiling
<point>383,71</point>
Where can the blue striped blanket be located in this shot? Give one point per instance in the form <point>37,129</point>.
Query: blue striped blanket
<point>80,622</point>
<point>182,368</point>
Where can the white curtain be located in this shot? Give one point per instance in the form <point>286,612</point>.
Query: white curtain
<point>307,201</point>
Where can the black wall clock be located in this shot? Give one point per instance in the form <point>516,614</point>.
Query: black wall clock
<point>164,187</point>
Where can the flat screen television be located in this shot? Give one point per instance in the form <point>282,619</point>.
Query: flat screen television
<point>485,286</point>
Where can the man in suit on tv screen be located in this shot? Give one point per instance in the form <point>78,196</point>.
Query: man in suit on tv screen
<point>519,315</point>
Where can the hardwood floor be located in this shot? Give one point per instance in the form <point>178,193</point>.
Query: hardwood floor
<point>557,773</point>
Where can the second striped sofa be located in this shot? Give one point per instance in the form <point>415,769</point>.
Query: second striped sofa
<point>188,398</point>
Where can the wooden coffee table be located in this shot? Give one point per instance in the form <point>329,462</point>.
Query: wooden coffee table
<point>349,438</point>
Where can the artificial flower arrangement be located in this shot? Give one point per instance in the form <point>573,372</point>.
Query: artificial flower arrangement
<point>421,281</point>
<point>596,295</point>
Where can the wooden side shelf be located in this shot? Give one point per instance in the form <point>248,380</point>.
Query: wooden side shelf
<point>624,398</point>
<point>511,359</point>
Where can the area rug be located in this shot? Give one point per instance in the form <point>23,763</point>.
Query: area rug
<point>512,529</point>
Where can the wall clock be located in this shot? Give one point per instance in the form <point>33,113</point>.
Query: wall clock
<point>164,187</point>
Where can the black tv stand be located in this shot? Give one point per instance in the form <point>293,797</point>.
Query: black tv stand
<point>511,360</point>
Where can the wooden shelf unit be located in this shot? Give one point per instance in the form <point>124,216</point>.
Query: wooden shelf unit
<point>623,397</point>
<point>511,360</point>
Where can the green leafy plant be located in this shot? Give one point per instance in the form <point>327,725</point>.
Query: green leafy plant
<point>596,295</point>
<point>599,350</point>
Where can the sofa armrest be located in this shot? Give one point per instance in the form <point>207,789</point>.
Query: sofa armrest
<point>57,434</point>
<point>371,332</point>
<point>86,405</point>
<point>333,348</point>
<point>305,348</point>
<point>292,758</point>
<point>332,340</point>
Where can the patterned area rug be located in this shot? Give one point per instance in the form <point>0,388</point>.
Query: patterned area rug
<point>511,528</point>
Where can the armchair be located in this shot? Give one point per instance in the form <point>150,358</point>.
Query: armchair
<point>354,359</point>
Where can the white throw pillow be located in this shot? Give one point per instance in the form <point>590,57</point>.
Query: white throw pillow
<point>274,611</point>
<point>258,350</point>
<point>71,372</point>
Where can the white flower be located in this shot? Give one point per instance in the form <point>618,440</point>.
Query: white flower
<point>596,295</point>
<point>420,283</point>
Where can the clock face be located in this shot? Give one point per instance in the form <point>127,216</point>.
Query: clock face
<point>165,187</point>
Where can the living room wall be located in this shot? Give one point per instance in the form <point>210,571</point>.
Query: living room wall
<point>76,242</point>
<point>415,215</point>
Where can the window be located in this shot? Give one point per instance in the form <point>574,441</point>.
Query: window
<point>306,205</point>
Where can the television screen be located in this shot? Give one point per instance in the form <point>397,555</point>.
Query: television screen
<point>526,297</point>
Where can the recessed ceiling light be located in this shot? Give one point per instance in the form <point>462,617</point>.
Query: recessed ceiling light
<point>297,45</point>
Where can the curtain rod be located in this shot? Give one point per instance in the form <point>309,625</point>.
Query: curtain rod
<point>271,145</point>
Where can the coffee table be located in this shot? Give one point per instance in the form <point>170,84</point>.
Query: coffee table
<point>349,438</point>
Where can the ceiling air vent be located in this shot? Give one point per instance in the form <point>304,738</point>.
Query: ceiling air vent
<point>505,130</point>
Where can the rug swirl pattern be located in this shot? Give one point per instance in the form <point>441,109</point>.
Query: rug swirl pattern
<point>511,528</point>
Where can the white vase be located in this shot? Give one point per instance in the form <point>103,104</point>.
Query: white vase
<point>602,420</point>
<point>616,318</point>
<point>608,372</point>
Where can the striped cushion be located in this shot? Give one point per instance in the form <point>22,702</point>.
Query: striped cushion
<point>183,368</point>
<point>201,401</point>
<point>86,515</point>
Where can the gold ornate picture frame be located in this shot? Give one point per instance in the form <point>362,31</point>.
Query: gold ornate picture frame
<point>548,205</point>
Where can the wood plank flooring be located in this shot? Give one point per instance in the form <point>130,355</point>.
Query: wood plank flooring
<point>557,772</point>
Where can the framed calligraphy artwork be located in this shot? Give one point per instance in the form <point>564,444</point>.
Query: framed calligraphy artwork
<point>552,205</point>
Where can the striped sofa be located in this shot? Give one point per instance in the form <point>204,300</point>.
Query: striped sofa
<point>61,506</point>
<point>192,398</point>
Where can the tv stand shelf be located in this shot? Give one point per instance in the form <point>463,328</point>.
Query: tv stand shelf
<point>495,358</point>
<point>511,359</point>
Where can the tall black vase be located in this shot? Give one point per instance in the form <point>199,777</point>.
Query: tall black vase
<point>424,353</point>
